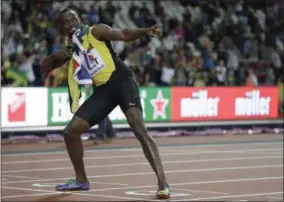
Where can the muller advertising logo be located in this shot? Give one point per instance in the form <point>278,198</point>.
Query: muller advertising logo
<point>17,108</point>
<point>199,105</point>
<point>252,104</point>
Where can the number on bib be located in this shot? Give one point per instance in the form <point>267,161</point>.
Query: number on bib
<point>95,61</point>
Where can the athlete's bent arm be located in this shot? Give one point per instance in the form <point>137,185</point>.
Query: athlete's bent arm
<point>105,32</point>
<point>55,60</point>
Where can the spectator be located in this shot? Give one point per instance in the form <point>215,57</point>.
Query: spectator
<point>179,31</point>
<point>193,43</point>
<point>270,77</point>
<point>251,78</point>
<point>167,74</point>
<point>276,64</point>
<point>4,79</point>
<point>280,84</point>
<point>93,15</point>
<point>134,13</point>
<point>107,14</point>
<point>158,8</point>
<point>157,71</point>
<point>180,73</point>
<point>232,53</point>
<point>199,79</point>
<point>208,60</point>
<point>170,40</point>
<point>252,49</point>
<point>196,62</point>
<point>144,11</point>
<point>221,71</point>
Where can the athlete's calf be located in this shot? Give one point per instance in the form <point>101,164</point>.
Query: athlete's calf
<point>135,120</point>
<point>72,137</point>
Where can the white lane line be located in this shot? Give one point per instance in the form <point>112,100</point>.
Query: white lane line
<point>92,158</point>
<point>143,156</point>
<point>92,182</point>
<point>152,193</point>
<point>73,193</point>
<point>271,152</point>
<point>195,183</point>
<point>146,163</point>
<point>147,186</point>
<point>25,195</point>
<point>273,197</point>
<point>151,173</point>
<point>19,176</point>
<point>179,184</point>
<point>136,149</point>
<point>201,191</point>
<point>109,183</point>
<point>232,196</point>
<point>180,150</point>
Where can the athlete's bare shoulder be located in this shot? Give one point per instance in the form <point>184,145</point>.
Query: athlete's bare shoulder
<point>99,30</point>
<point>104,32</point>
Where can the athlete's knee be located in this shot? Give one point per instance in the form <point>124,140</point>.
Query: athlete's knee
<point>135,120</point>
<point>76,127</point>
<point>134,117</point>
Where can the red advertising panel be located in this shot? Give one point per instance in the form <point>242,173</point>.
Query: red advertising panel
<point>224,103</point>
<point>17,108</point>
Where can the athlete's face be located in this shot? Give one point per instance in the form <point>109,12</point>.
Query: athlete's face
<point>70,22</point>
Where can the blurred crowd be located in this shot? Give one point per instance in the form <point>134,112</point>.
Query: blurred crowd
<point>217,43</point>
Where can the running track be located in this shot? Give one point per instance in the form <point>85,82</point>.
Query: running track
<point>220,168</point>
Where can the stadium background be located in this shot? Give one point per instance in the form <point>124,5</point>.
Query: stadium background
<point>217,63</point>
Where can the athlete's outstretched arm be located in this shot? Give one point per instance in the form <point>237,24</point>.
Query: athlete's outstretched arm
<point>104,32</point>
<point>55,60</point>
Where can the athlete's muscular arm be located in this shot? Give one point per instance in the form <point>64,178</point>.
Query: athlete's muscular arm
<point>104,32</point>
<point>55,60</point>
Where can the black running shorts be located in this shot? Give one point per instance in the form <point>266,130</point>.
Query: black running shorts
<point>106,97</point>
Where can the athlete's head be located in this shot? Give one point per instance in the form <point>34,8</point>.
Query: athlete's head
<point>69,21</point>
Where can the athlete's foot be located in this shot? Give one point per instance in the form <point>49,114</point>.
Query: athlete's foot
<point>108,140</point>
<point>163,192</point>
<point>73,185</point>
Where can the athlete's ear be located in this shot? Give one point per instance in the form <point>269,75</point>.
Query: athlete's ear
<point>104,32</point>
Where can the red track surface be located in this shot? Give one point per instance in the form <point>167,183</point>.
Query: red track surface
<point>203,172</point>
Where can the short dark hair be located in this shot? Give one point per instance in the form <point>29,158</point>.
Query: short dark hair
<point>68,9</point>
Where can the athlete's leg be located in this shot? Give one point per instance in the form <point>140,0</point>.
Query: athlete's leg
<point>131,106</point>
<point>72,138</point>
<point>102,126</point>
<point>135,119</point>
<point>93,110</point>
<point>109,129</point>
<point>105,132</point>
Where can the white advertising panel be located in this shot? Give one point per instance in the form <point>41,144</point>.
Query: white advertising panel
<point>23,107</point>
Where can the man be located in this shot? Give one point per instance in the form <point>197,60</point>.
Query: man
<point>114,85</point>
<point>104,129</point>
<point>104,126</point>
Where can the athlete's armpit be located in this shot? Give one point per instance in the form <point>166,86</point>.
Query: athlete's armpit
<point>55,60</point>
<point>104,32</point>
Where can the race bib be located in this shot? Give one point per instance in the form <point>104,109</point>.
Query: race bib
<point>95,62</point>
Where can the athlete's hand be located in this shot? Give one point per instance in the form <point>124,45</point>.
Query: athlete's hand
<point>155,30</point>
<point>55,60</point>
<point>67,52</point>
